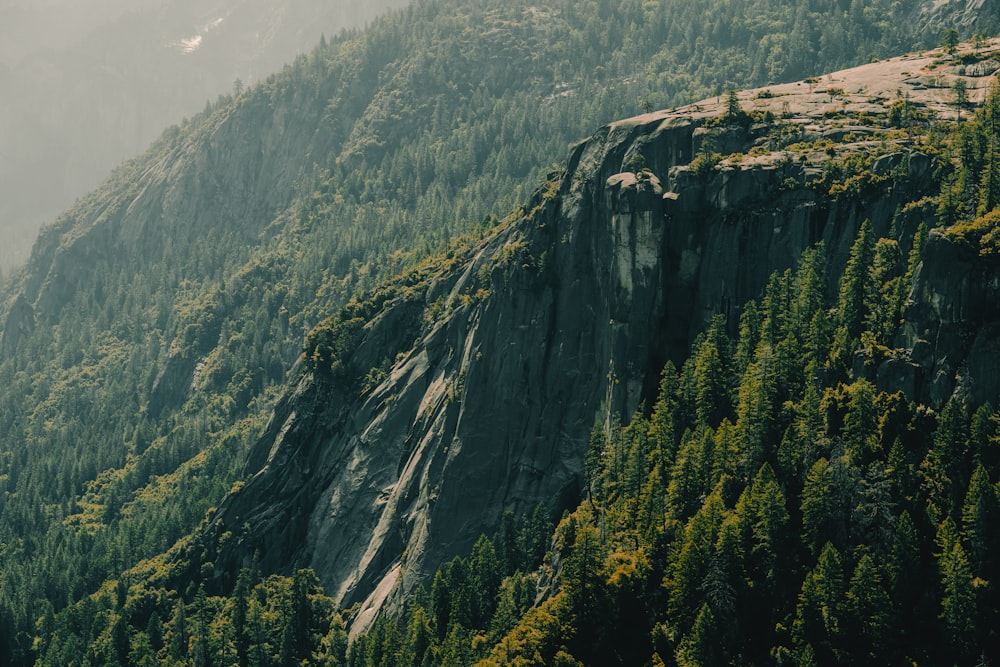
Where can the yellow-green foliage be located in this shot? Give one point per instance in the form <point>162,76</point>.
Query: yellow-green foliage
<point>849,176</point>
<point>705,163</point>
<point>982,233</point>
<point>538,636</point>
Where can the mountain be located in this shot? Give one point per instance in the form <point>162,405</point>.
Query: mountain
<point>565,318</point>
<point>146,344</point>
<point>89,87</point>
<point>820,436</point>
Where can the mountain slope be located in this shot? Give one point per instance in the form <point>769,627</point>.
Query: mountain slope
<point>147,342</point>
<point>820,435</point>
<point>565,318</point>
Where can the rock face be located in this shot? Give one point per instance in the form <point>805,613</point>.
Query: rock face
<point>559,322</point>
<point>20,322</point>
<point>953,323</point>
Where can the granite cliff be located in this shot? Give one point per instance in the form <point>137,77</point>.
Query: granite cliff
<point>493,370</point>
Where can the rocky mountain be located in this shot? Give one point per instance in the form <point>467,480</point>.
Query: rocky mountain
<point>145,343</point>
<point>483,380</point>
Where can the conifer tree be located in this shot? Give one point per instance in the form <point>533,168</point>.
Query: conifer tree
<point>851,309</point>
<point>958,603</point>
<point>820,521</point>
<point>869,608</point>
<point>980,513</point>
<point>816,629</point>
<point>944,469</point>
<point>241,635</point>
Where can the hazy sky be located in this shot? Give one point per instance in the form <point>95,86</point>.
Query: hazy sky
<point>90,83</point>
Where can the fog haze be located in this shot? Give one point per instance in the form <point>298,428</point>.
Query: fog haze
<point>89,83</point>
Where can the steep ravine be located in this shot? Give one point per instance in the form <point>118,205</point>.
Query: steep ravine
<point>563,319</point>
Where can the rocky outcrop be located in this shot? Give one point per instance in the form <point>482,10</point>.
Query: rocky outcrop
<point>563,319</point>
<point>969,16</point>
<point>953,322</point>
<point>20,323</point>
<point>610,275</point>
<point>173,383</point>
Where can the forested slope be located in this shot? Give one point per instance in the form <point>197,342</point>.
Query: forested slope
<point>146,342</point>
<point>814,482</point>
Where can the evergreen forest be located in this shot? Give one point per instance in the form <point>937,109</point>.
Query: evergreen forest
<point>771,506</point>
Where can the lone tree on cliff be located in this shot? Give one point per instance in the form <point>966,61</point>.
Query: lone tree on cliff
<point>949,40</point>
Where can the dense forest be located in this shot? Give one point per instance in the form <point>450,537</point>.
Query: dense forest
<point>771,507</point>
<point>150,360</point>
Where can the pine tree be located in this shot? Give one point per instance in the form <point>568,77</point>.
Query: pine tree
<point>755,409</point>
<point>906,583</point>
<point>983,438</point>
<point>200,653</point>
<point>885,297</point>
<point>241,635</point>
<point>851,308</point>
<point>809,288</point>
<point>154,630</point>
<point>980,513</point>
<point>418,642</point>
<point>485,580</point>
<point>821,522</point>
<point>178,635</point>
<point>949,40</point>
<point>817,623</point>
<point>120,645</point>
<point>689,479</point>
<point>770,522</point>
<point>989,185</point>
<point>749,337</point>
<point>699,648</point>
<point>690,566</point>
<point>860,430</point>
<point>943,472</point>
<point>297,640</point>
<point>582,579</point>
<point>958,603</point>
<point>869,609</point>
<point>335,644</point>
<point>441,601</point>
<point>710,375</point>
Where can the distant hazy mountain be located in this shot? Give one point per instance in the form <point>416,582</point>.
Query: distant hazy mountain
<point>87,85</point>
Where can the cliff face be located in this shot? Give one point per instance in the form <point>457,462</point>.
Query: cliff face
<point>564,318</point>
<point>952,327</point>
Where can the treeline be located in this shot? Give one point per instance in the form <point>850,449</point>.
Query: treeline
<point>288,621</point>
<point>773,506</point>
<point>770,507</point>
